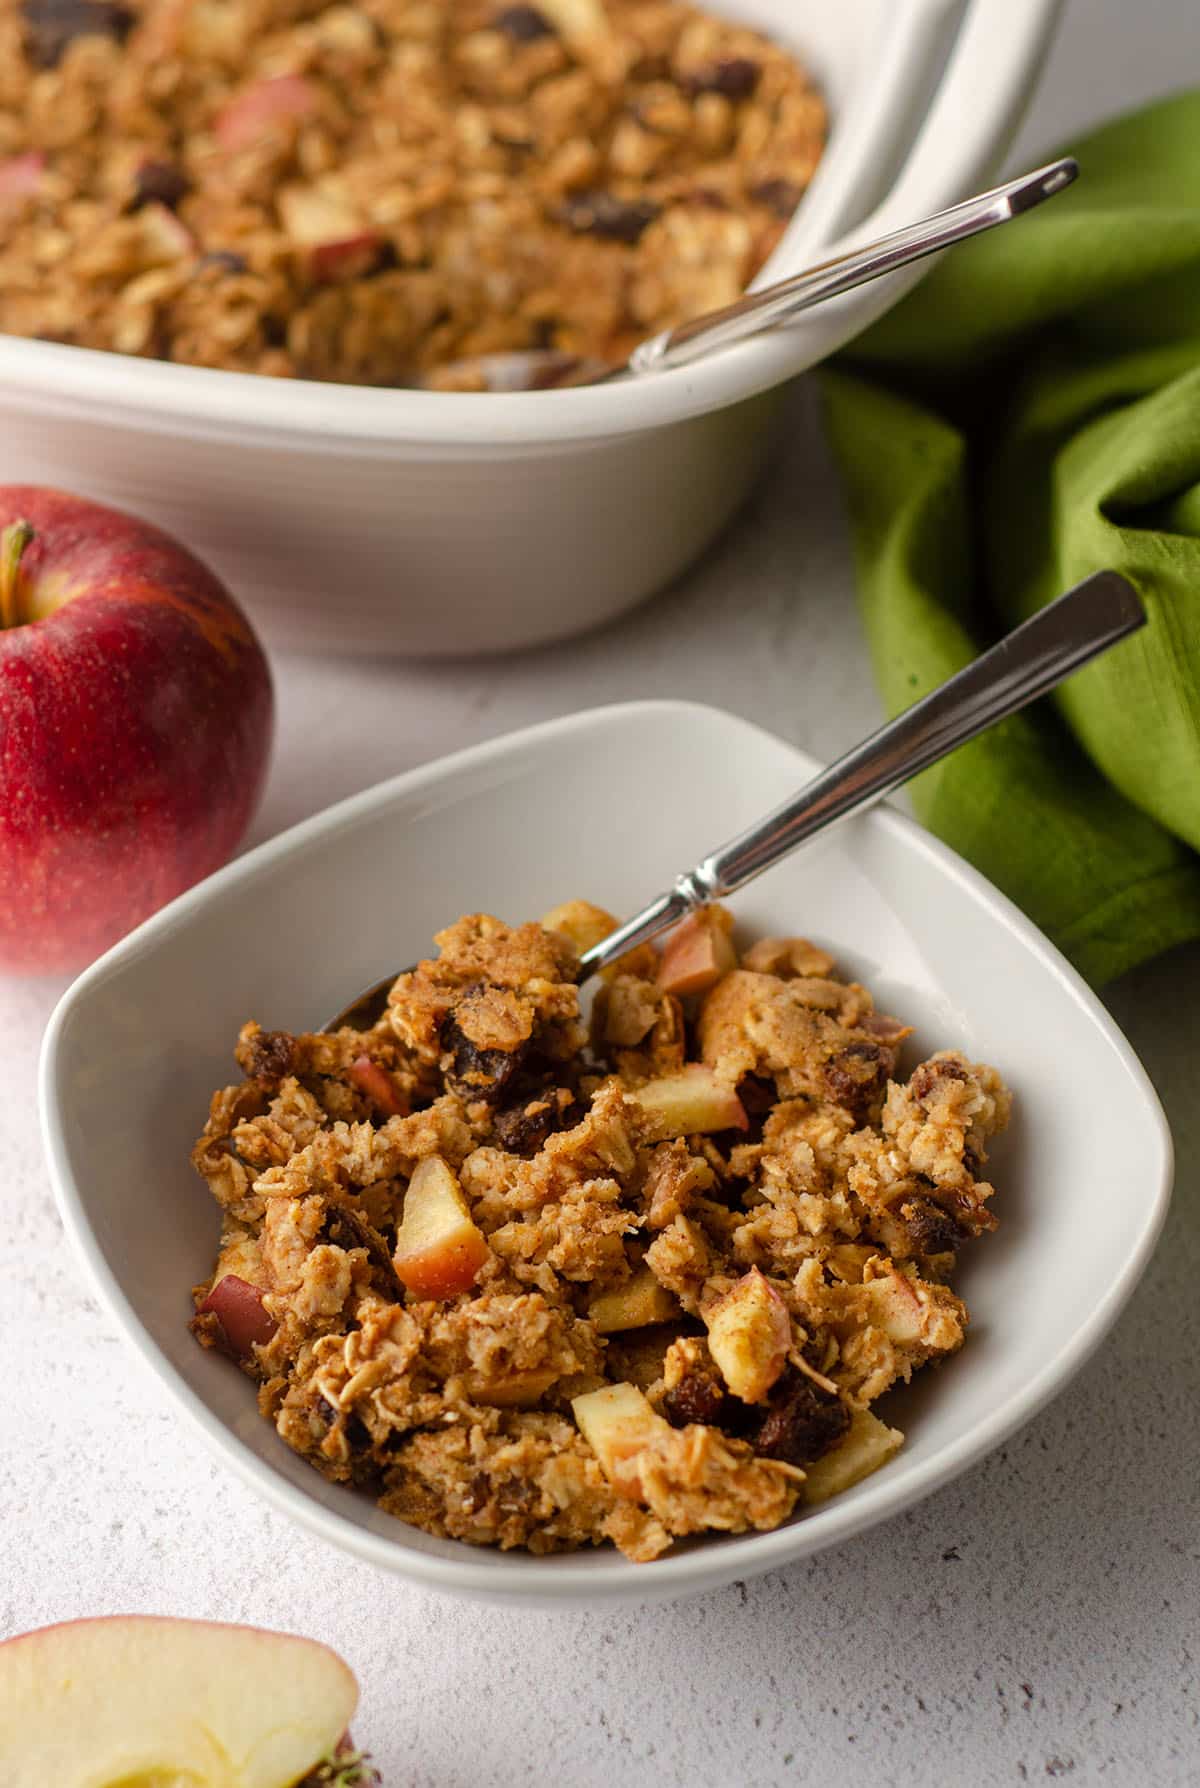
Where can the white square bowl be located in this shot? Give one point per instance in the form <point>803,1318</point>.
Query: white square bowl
<point>610,805</point>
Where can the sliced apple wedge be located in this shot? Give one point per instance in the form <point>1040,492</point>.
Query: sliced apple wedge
<point>688,1103</point>
<point>698,953</point>
<point>136,1701</point>
<point>439,1249</point>
<point>259,108</point>
<point>750,1336</point>
<point>374,1080</point>
<point>617,1423</point>
<point>640,1301</point>
<point>867,1444</point>
<point>518,1390</point>
<point>238,1307</point>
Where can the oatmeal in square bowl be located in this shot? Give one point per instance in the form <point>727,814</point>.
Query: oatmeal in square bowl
<point>538,1280</point>
<point>377,192</point>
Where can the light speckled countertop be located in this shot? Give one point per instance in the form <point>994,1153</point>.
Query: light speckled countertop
<point>1037,1619</point>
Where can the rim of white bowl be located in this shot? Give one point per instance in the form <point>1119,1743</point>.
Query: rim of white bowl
<point>514,1578</point>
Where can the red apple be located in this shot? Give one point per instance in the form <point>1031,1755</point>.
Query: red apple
<point>135,725</point>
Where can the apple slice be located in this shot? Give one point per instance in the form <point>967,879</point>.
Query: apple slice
<point>439,1250</point>
<point>617,1423</point>
<point>375,1081</point>
<point>238,1307</point>
<point>518,1390</point>
<point>698,953</point>
<point>640,1301</point>
<point>867,1444</point>
<point>253,113</point>
<point>688,1103</point>
<point>135,1700</point>
<point>896,1307</point>
<point>750,1336</point>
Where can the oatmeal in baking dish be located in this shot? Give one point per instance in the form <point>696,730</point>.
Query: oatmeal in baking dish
<point>532,1282</point>
<point>379,191</point>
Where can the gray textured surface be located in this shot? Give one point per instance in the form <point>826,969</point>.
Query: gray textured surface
<point>1037,1619</point>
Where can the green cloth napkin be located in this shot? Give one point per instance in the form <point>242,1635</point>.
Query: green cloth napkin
<point>1030,414</point>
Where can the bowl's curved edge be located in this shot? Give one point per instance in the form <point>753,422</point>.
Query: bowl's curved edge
<point>691,1572</point>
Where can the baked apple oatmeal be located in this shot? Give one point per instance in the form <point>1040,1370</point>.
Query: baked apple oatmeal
<point>532,1282</point>
<point>378,192</point>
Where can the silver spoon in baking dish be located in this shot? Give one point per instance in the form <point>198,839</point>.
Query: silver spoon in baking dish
<point>1033,658</point>
<point>545,369</point>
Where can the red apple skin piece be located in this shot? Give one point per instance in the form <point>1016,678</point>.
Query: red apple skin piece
<point>349,258</point>
<point>261,106</point>
<point>697,954</point>
<point>238,1307</point>
<point>375,1081</point>
<point>21,175</point>
<point>136,713</point>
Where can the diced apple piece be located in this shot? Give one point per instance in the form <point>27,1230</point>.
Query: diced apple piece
<point>687,1103</point>
<point>375,1081</point>
<point>520,1390</point>
<point>439,1249</point>
<point>136,1700</point>
<point>698,953</point>
<point>867,1444</point>
<point>313,216</point>
<point>347,258</point>
<point>640,1301</point>
<point>238,1307</point>
<point>582,924</point>
<point>573,19</point>
<point>617,1423</point>
<point>750,1336</point>
<point>895,1307</point>
<point>166,237</point>
<point>21,175</point>
<point>266,103</point>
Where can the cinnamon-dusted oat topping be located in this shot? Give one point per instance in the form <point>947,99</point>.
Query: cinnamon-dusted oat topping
<point>511,1308</point>
<point>379,192</point>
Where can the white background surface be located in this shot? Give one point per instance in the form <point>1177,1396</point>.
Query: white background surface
<point>1036,1620</point>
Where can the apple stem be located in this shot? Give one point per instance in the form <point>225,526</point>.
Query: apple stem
<point>13,541</point>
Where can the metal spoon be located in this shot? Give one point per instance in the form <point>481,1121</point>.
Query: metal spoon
<point>543,369</point>
<point>1033,658</point>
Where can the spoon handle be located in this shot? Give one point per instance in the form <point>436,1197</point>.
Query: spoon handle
<point>1038,654</point>
<point>780,302</point>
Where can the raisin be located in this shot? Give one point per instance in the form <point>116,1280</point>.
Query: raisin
<point>929,1074</point>
<point>734,77</point>
<point>226,260</point>
<point>344,1228</point>
<point>856,1075</point>
<point>603,214</point>
<point>522,1128</point>
<point>52,25</point>
<point>478,1073</point>
<point>698,1397</point>
<point>803,1422</point>
<point>524,24</point>
<point>271,1055</point>
<point>779,196</point>
<point>159,182</point>
<point>931,1229</point>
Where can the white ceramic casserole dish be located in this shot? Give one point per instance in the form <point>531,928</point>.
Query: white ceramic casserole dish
<point>291,930</point>
<point>351,519</point>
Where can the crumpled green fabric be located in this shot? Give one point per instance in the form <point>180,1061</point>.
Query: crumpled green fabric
<point>1031,414</point>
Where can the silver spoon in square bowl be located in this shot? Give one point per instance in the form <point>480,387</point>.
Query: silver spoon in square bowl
<point>1033,658</point>
<point>548,369</point>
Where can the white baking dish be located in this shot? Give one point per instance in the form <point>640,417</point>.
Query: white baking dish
<point>370,520</point>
